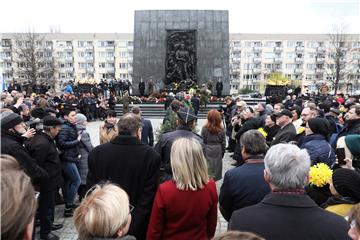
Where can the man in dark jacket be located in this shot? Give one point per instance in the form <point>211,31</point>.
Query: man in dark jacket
<point>185,123</point>
<point>229,112</point>
<point>352,122</point>
<point>68,142</point>
<point>287,132</point>
<point>245,185</point>
<point>131,164</point>
<point>219,88</point>
<point>147,135</point>
<point>287,212</point>
<point>43,149</point>
<point>250,122</point>
<point>141,87</point>
<point>12,129</point>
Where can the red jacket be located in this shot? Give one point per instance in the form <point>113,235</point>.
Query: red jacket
<point>179,214</point>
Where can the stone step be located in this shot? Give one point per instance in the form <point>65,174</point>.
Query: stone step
<point>156,110</point>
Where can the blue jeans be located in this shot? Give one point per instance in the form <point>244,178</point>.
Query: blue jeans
<point>72,182</point>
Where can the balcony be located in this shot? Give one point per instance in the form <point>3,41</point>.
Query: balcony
<point>6,47</point>
<point>319,70</point>
<point>256,70</point>
<point>320,49</point>
<point>320,60</point>
<point>299,49</point>
<point>69,70</point>
<point>298,70</point>
<point>299,59</point>
<point>257,49</point>
<point>110,69</point>
<point>278,49</point>
<point>89,47</point>
<point>277,60</point>
<point>90,70</point>
<point>89,59</point>
<point>256,60</point>
<point>6,58</point>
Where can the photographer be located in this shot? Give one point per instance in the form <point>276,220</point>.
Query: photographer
<point>348,152</point>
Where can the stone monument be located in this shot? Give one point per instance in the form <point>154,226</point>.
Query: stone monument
<point>173,46</point>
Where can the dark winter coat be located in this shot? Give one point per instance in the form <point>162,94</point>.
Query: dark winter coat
<point>43,149</point>
<point>243,186</point>
<point>214,151</point>
<point>68,143</point>
<point>134,166</point>
<point>13,145</point>
<point>289,216</point>
<point>85,147</point>
<point>351,127</point>
<point>195,103</point>
<point>285,134</point>
<point>271,132</point>
<point>319,149</point>
<point>163,147</point>
<point>252,123</point>
<point>147,134</point>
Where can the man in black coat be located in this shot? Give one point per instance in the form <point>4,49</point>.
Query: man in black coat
<point>147,134</point>
<point>141,87</point>
<point>287,132</point>
<point>245,185</point>
<point>352,122</point>
<point>43,149</point>
<point>12,129</point>
<point>185,123</point>
<point>131,164</point>
<point>219,88</point>
<point>287,212</point>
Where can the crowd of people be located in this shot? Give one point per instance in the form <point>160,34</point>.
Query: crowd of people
<point>133,187</point>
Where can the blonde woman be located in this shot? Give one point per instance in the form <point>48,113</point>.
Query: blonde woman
<point>18,201</point>
<point>186,206</point>
<point>104,214</point>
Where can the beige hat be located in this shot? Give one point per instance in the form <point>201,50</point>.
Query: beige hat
<point>241,104</point>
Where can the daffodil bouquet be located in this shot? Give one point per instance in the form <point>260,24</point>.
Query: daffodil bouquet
<point>320,175</point>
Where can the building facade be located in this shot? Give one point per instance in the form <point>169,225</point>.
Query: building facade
<point>306,59</point>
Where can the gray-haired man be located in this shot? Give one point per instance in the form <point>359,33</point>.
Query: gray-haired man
<point>287,212</point>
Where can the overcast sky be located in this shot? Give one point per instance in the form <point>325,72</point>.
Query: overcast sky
<point>117,16</point>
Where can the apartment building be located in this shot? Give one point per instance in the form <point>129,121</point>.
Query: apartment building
<point>304,58</point>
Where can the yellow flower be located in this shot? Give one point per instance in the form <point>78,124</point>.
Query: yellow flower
<point>320,175</point>
<point>263,132</point>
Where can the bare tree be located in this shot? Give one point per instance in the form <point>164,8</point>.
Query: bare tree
<point>338,66</point>
<point>34,58</point>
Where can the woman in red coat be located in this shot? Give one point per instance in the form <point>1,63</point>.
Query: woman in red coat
<point>185,207</point>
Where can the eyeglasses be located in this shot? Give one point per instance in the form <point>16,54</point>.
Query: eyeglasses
<point>131,208</point>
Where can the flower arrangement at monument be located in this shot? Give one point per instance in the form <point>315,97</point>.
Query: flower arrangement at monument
<point>320,175</point>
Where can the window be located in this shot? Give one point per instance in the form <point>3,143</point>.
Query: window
<point>68,54</point>
<point>130,43</point>
<point>101,54</point>
<point>81,44</point>
<point>311,55</point>
<point>290,66</point>
<point>310,66</point>
<point>270,44</point>
<point>312,44</point>
<point>269,55</point>
<point>248,66</point>
<point>121,44</point>
<point>122,54</point>
<point>237,44</point>
<point>290,44</point>
<point>268,66</point>
<point>289,55</point>
<point>81,54</point>
<point>123,65</point>
<point>248,44</point>
<point>102,65</point>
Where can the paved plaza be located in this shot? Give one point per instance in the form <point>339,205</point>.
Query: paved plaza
<point>68,232</point>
